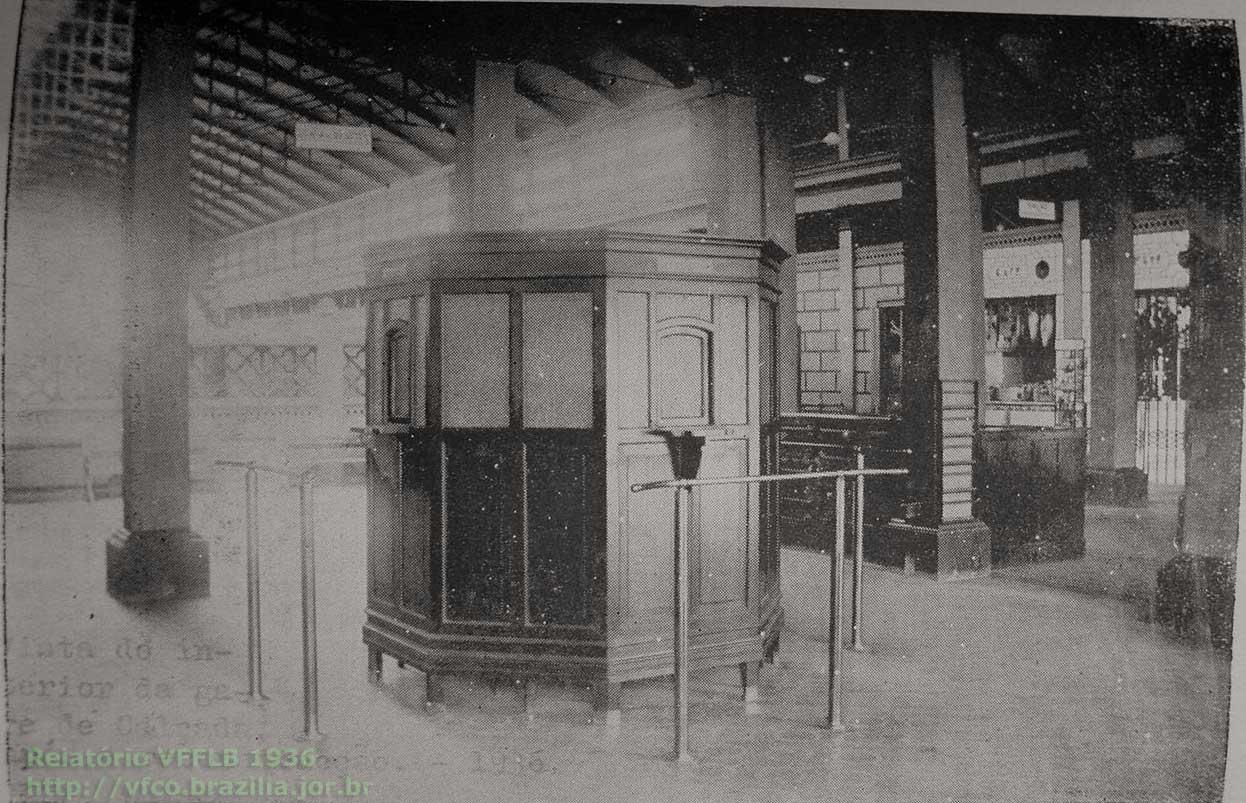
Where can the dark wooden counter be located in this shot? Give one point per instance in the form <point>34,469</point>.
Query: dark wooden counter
<point>1030,489</point>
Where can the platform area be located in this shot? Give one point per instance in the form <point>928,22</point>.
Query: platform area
<point>1006,688</point>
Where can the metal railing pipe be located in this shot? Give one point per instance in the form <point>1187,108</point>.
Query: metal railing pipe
<point>858,553</point>
<point>255,661</point>
<point>683,503</point>
<point>307,553</point>
<point>852,446</point>
<point>683,507</point>
<point>745,480</point>
<point>836,636</point>
<point>255,644</point>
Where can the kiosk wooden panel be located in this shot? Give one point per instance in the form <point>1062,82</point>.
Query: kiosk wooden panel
<point>516,386</point>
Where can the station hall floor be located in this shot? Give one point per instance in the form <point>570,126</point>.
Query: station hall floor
<point>1044,685</point>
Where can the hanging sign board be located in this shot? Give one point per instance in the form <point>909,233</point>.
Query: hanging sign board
<point>1037,210</point>
<point>1025,270</point>
<point>325,137</point>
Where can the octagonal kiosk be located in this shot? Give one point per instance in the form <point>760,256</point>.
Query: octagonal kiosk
<point>517,384</point>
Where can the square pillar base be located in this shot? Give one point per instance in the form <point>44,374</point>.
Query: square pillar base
<point>950,551</point>
<point>156,565</point>
<point>1195,596</point>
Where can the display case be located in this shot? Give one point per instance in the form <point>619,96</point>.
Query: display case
<point>516,387</point>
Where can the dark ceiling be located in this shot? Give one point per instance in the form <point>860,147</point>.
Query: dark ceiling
<point>405,68</point>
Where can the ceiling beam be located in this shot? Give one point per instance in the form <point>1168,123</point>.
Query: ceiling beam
<point>393,54</point>
<point>255,161</point>
<point>330,66</point>
<point>220,211</point>
<point>310,169</point>
<point>356,166</point>
<point>266,198</point>
<point>318,174</point>
<point>364,112</point>
<point>224,223</point>
<point>374,165</point>
<point>577,69</point>
<point>295,178</point>
<point>229,191</point>
<point>248,217</point>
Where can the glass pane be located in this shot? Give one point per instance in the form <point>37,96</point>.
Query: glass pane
<point>558,360</point>
<point>398,372</point>
<point>475,360</point>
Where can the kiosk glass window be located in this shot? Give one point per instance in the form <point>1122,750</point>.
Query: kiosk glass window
<point>405,343</point>
<point>398,372</point>
<point>558,360</point>
<point>475,360</point>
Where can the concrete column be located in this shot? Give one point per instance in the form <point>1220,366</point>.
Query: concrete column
<point>1113,421</point>
<point>1071,244</point>
<point>943,348</point>
<point>744,171</point>
<point>841,118</point>
<point>483,190</point>
<point>779,226</point>
<point>156,555</point>
<point>1109,120</point>
<point>848,337</point>
<point>1196,589</point>
<point>1071,340</point>
<point>728,139</point>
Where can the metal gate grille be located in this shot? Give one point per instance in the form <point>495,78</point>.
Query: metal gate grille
<point>1160,446</point>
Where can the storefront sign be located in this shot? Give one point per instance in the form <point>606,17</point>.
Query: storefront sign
<point>1025,270</point>
<point>325,137</point>
<point>1156,263</point>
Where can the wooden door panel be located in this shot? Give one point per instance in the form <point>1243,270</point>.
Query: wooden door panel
<point>419,472</point>
<point>561,525</point>
<point>720,530</point>
<point>646,533</point>
<point>479,539</point>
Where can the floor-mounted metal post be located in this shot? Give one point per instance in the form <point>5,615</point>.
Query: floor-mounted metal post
<point>311,675</point>
<point>836,635</point>
<point>255,678</point>
<point>858,552</point>
<point>88,482</point>
<point>683,505</point>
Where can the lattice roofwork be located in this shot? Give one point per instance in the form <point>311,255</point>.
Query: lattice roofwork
<point>405,69</point>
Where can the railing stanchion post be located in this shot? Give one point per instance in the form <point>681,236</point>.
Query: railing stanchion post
<point>311,692</point>
<point>683,505</point>
<point>836,636</point>
<point>858,553</point>
<point>255,662</point>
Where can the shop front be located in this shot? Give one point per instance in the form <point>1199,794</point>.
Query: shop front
<point>1034,374</point>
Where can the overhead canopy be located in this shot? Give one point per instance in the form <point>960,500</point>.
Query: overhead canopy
<point>405,71</point>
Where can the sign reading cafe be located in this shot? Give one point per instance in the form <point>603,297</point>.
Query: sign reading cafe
<point>1027,270</point>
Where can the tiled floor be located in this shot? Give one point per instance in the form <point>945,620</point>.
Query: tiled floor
<point>987,690</point>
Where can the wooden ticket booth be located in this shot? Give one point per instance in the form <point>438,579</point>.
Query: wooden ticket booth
<point>516,384</point>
